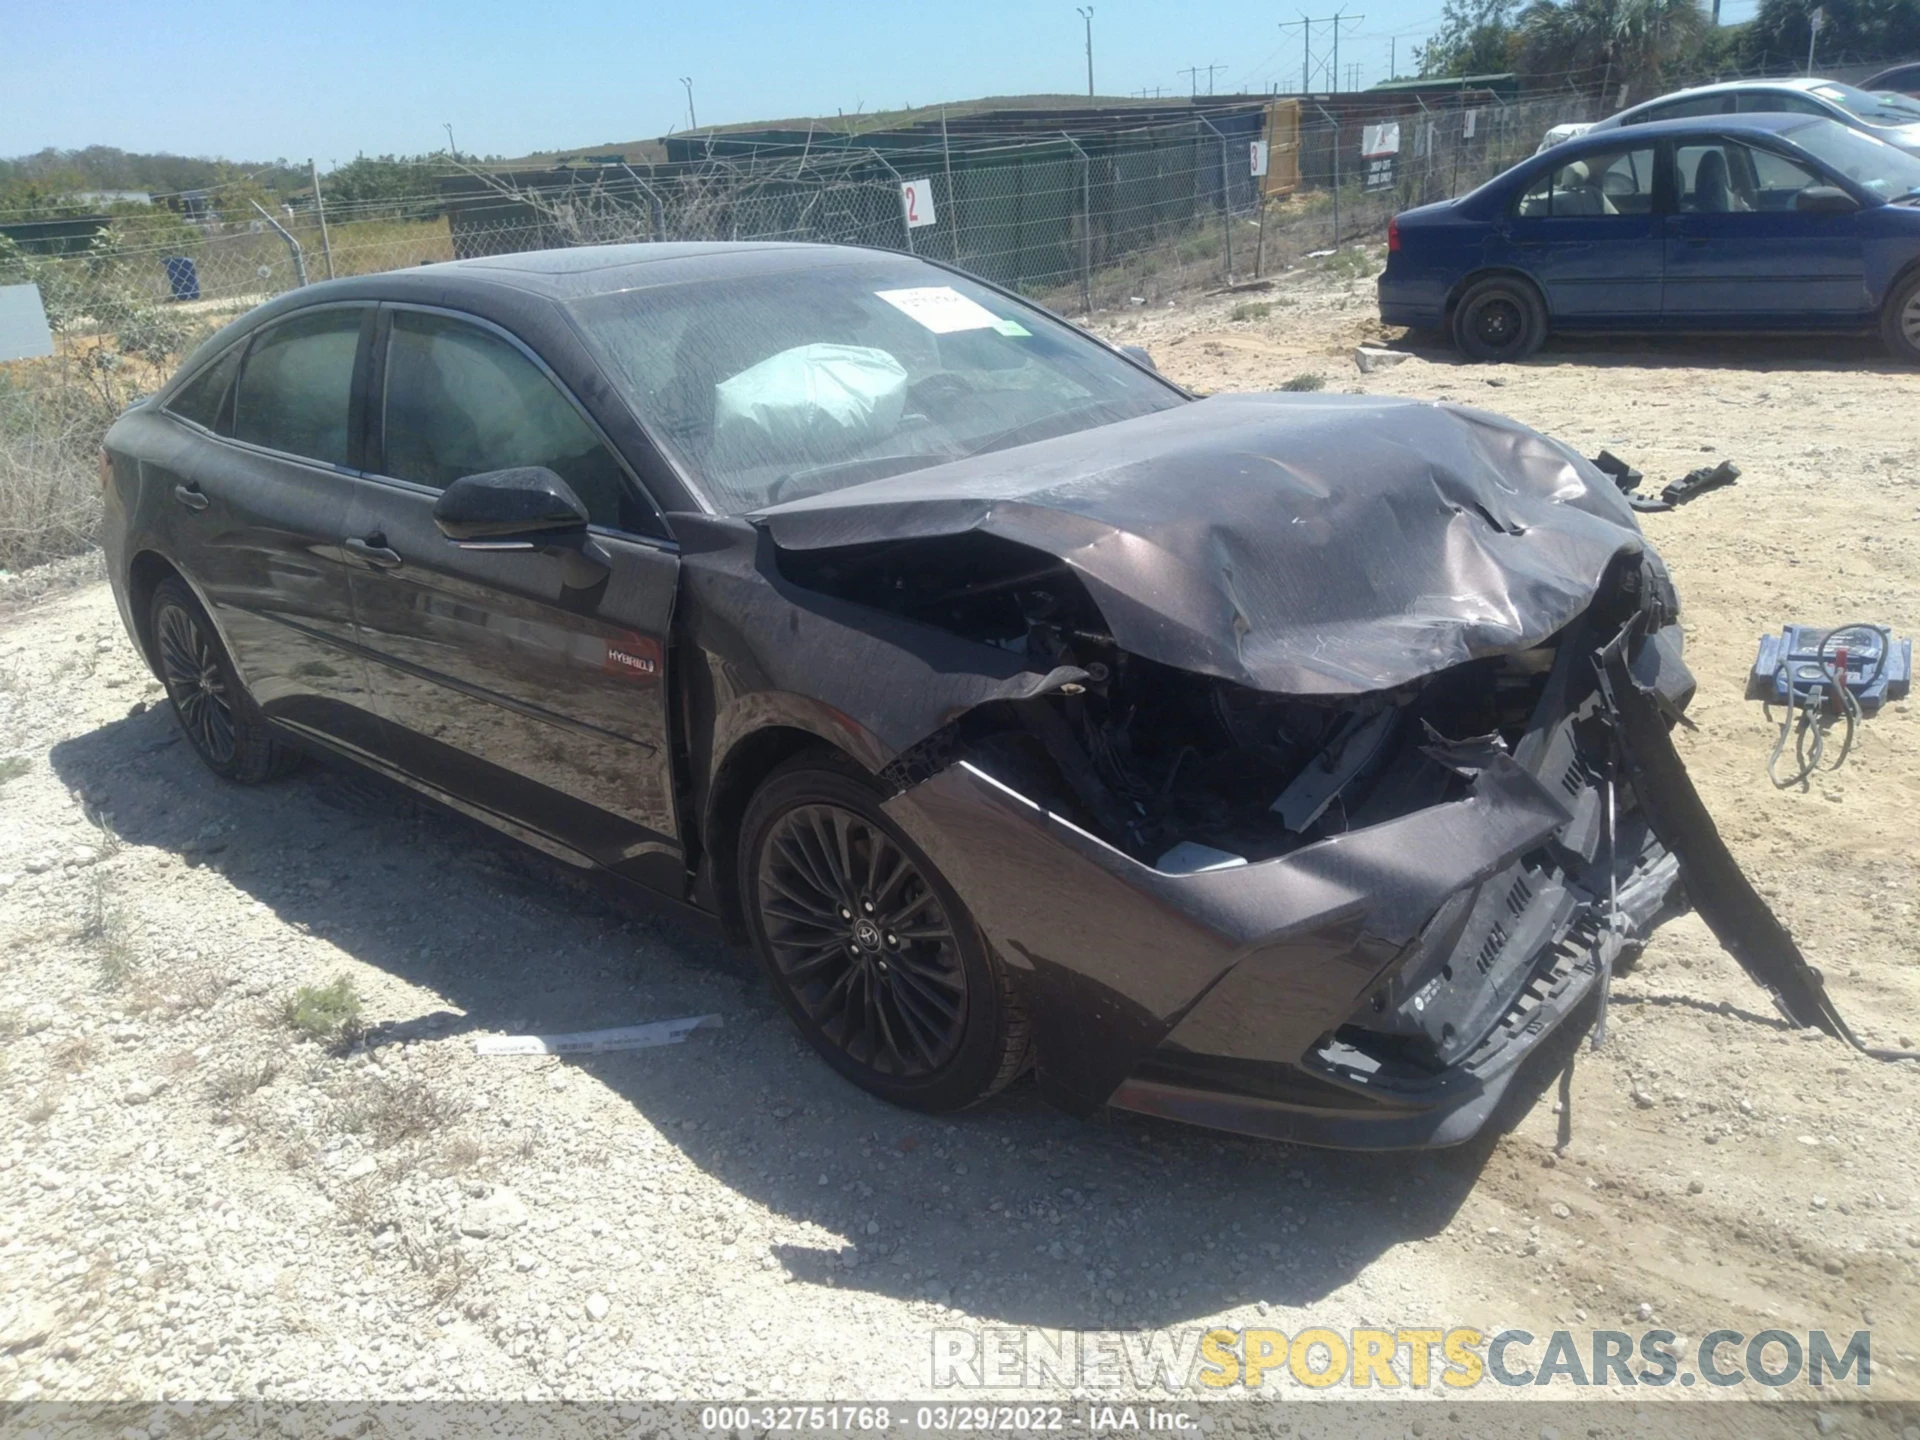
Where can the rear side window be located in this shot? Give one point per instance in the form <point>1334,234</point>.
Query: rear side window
<point>1614,182</point>
<point>297,385</point>
<point>1689,109</point>
<point>204,397</point>
<point>462,401</point>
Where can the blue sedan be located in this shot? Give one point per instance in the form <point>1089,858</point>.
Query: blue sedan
<point>1750,222</point>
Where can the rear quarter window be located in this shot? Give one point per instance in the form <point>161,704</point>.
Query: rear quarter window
<point>203,399</point>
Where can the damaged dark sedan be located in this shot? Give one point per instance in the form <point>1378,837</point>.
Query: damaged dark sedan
<point>1290,764</point>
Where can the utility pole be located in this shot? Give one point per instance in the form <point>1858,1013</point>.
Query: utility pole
<point>1393,52</point>
<point>1307,67</point>
<point>1210,70</point>
<point>1340,17</point>
<point>693,122</point>
<point>1192,72</point>
<point>1306,47</point>
<point>452,148</point>
<point>320,209</point>
<point>1086,14</point>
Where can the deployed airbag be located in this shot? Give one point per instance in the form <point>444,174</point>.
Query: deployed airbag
<point>820,401</point>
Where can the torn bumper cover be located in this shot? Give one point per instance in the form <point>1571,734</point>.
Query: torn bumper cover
<point>1377,988</point>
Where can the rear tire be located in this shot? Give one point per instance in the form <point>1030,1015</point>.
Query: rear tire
<point>1900,321</point>
<point>870,949</point>
<point>1499,320</point>
<point>216,714</point>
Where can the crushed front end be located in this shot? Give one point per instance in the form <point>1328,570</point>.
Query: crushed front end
<point>1344,774</point>
<point>1337,920</point>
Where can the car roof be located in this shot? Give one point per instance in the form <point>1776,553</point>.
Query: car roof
<point>580,271</point>
<point>1786,82</point>
<point>576,273</point>
<point>1758,124</point>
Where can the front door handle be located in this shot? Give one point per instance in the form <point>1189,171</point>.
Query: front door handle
<point>191,497</point>
<point>373,551</point>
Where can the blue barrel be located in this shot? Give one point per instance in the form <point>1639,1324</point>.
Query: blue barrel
<point>182,278</point>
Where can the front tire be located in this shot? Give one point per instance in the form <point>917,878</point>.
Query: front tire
<point>871,950</point>
<point>1900,321</point>
<point>215,712</point>
<point>1499,320</point>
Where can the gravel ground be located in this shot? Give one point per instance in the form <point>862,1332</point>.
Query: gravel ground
<point>197,1200</point>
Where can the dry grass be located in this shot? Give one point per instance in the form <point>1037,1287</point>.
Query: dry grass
<point>73,1054</point>
<point>237,1082</point>
<point>107,930</point>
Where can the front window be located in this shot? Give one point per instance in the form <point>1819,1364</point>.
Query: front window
<point>771,387</point>
<point>1875,109</point>
<point>1724,177</point>
<point>1778,102</point>
<point>461,401</point>
<point>1885,170</point>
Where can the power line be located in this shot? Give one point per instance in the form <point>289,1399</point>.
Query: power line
<point>1193,72</point>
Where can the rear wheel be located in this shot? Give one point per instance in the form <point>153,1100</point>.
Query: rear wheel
<point>870,949</point>
<point>1499,319</point>
<point>1900,320</point>
<point>215,712</point>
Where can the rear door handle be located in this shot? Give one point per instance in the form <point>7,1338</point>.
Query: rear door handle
<point>373,551</point>
<point>191,497</point>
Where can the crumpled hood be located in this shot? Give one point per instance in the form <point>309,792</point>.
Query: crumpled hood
<point>1301,544</point>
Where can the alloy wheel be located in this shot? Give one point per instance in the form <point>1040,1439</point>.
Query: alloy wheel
<point>1910,320</point>
<point>190,668</point>
<point>861,941</point>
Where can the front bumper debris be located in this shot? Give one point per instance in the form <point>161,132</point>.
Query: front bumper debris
<point>1378,988</point>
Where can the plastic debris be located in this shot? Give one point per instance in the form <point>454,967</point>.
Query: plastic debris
<point>597,1042</point>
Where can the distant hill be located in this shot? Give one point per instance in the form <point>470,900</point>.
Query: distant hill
<point>651,150</point>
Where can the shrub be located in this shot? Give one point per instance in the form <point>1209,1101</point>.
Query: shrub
<point>325,1012</point>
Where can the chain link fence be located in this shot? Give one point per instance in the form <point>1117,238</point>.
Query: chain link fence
<point>1084,223</point>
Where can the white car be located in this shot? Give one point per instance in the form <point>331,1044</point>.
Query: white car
<point>1564,132</point>
<point>1892,118</point>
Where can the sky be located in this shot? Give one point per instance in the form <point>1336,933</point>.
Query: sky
<point>259,80</point>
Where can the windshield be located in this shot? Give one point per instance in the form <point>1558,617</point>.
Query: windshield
<point>771,387</point>
<point>1886,170</point>
<point>1881,109</point>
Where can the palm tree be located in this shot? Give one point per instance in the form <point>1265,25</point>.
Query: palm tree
<point>1605,43</point>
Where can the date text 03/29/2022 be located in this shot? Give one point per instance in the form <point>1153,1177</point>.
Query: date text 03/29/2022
<point>942,1419</point>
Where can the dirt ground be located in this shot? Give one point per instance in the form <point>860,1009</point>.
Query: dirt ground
<point>196,1202</point>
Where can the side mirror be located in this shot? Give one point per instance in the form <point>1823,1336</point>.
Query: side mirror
<point>1139,352</point>
<point>1824,200</point>
<point>510,509</point>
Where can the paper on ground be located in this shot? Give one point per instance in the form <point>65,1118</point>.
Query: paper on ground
<point>593,1042</point>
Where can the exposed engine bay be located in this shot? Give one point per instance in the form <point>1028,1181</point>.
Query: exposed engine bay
<point>1189,773</point>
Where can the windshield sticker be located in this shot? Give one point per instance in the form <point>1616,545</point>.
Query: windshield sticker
<point>1011,327</point>
<point>941,308</point>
